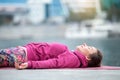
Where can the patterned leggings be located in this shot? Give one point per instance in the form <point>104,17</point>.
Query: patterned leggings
<point>11,55</point>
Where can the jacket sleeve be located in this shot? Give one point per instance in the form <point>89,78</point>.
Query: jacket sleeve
<point>62,61</point>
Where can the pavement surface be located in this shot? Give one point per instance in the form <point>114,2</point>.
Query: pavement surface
<point>59,74</point>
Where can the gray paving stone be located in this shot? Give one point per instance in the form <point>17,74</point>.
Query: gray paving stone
<point>59,74</point>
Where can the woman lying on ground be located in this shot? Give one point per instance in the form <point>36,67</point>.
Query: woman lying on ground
<point>45,55</point>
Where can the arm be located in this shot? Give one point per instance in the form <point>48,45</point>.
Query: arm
<point>63,61</point>
<point>51,63</point>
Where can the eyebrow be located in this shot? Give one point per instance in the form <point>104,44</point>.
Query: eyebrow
<point>93,47</point>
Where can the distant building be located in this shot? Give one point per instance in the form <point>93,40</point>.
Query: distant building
<point>87,8</point>
<point>10,9</point>
<point>46,11</point>
<point>38,11</point>
<point>32,11</point>
<point>58,11</point>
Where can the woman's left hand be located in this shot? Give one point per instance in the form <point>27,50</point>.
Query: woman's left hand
<point>21,66</point>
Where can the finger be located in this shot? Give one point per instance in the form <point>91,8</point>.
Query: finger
<point>16,65</point>
<point>23,65</point>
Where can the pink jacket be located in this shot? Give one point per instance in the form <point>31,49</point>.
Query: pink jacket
<point>53,55</point>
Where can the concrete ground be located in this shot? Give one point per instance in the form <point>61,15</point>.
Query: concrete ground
<point>59,74</point>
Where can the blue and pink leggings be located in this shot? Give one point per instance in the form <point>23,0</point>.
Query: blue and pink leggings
<point>11,55</point>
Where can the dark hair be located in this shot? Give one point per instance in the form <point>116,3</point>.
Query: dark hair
<point>95,59</point>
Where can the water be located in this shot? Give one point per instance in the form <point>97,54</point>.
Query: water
<point>110,47</point>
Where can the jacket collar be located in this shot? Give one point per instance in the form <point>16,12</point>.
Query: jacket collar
<point>82,59</point>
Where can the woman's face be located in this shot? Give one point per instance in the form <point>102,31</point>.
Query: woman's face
<point>86,50</point>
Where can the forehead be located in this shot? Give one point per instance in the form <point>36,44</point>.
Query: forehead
<point>94,49</point>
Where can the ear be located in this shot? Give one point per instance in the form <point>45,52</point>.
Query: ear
<point>88,58</point>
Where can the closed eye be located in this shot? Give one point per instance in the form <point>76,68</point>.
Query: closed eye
<point>91,48</point>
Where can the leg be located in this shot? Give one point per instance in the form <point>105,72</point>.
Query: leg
<point>6,59</point>
<point>19,55</point>
<point>11,55</point>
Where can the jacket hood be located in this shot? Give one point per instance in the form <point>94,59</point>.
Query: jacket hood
<point>82,59</point>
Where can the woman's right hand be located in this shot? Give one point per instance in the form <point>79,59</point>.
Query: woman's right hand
<point>21,66</point>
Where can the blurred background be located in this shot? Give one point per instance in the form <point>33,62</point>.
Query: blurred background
<point>72,22</point>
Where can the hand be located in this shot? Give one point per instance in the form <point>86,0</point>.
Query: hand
<point>21,66</point>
